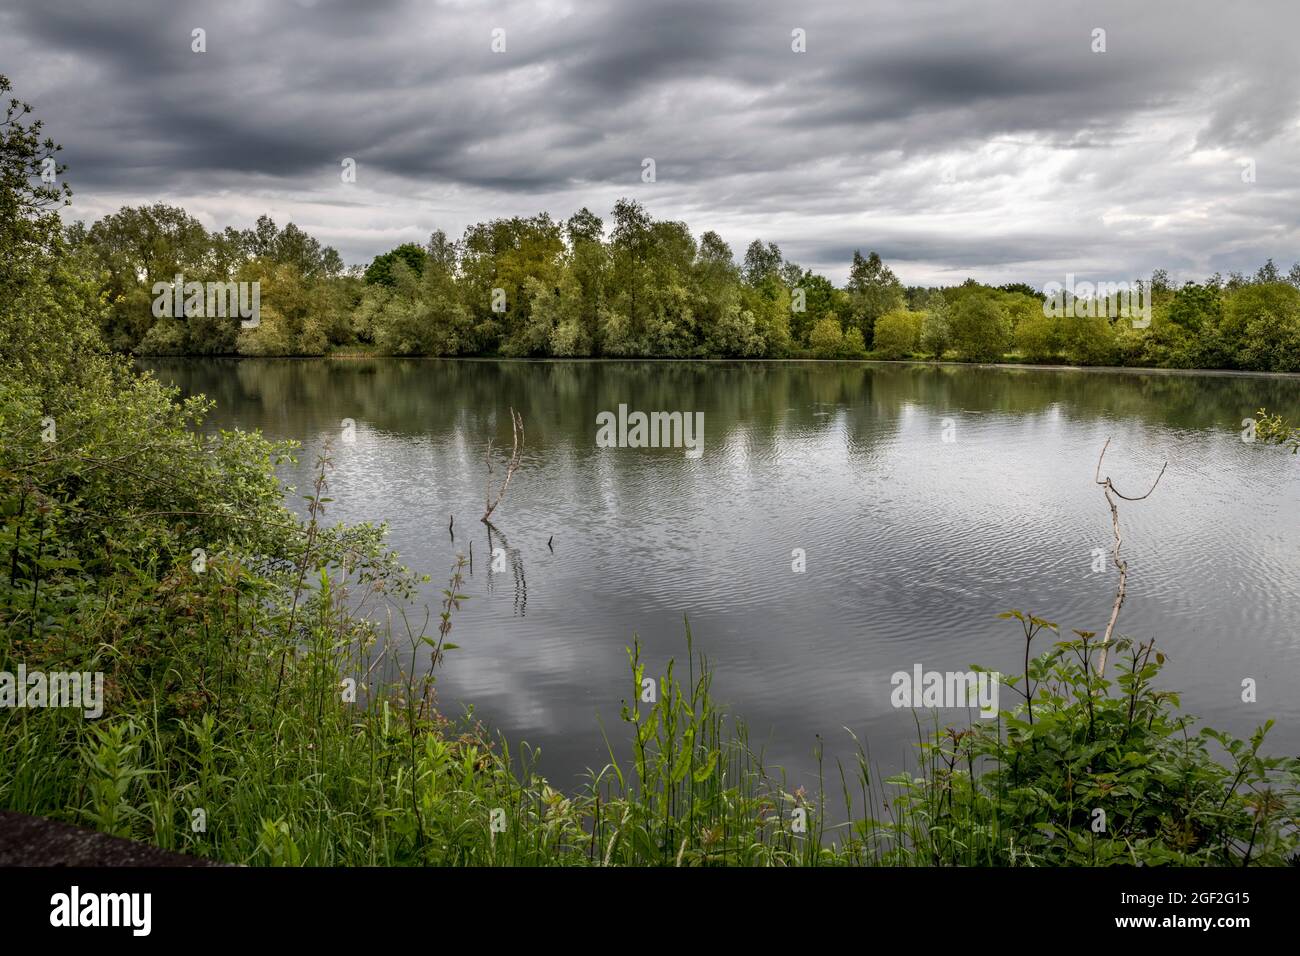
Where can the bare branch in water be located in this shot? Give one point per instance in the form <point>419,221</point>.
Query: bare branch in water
<point>1122,565</point>
<point>490,503</point>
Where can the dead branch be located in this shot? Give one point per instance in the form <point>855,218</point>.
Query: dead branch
<point>490,503</point>
<point>1122,565</point>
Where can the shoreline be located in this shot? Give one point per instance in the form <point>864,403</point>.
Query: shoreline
<point>932,363</point>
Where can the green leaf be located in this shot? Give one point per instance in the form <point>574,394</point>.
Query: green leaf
<point>703,773</point>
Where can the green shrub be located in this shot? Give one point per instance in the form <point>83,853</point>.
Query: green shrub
<point>1091,771</point>
<point>981,329</point>
<point>1037,337</point>
<point>898,333</point>
<point>827,338</point>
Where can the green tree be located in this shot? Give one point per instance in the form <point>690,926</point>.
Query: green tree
<point>381,269</point>
<point>936,333</point>
<point>588,261</point>
<point>820,299</point>
<point>898,333</point>
<point>1037,337</point>
<point>555,323</point>
<point>1264,318</point>
<point>827,338</point>
<point>624,310</point>
<point>761,262</point>
<point>981,330</point>
<point>854,345</point>
<point>765,316</point>
<point>725,329</point>
<point>830,340</point>
<point>873,290</point>
<point>136,247</point>
<point>1089,340</point>
<point>49,301</point>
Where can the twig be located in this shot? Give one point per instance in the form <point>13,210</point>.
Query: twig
<point>517,426</point>
<point>1109,488</point>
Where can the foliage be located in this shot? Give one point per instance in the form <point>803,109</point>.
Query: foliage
<point>981,329</point>
<point>936,330</point>
<point>829,340</point>
<point>380,271</point>
<point>1275,430</point>
<point>1090,771</point>
<point>873,290</point>
<point>1037,337</point>
<point>535,287</point>
<point>898,333</point>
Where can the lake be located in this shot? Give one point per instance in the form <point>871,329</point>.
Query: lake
<point>925,499</point>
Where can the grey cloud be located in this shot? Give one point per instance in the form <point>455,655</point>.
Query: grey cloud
<point>823,152</point>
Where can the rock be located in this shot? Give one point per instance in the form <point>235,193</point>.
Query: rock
<point>35,841</point>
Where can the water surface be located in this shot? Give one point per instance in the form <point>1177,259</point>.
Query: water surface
<point>913,544</point>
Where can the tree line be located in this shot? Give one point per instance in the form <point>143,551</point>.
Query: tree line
<point>536,287</point>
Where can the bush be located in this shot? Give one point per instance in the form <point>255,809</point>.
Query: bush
<point>936,334</point>
<point>1036,337</point>
<point>981,329</point>
<point>898,333</point>
<point>1269,318</point>
<point>1089,341</point>
<point>853,346</point>
<point>1076,775</point>
<point>827,338</point>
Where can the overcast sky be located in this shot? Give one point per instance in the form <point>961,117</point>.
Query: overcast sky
<point>958,139</point>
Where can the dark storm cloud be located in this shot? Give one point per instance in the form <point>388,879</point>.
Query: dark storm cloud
<point>952,136</point>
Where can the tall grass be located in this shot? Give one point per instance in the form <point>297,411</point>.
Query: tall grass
<point>258,713</point>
